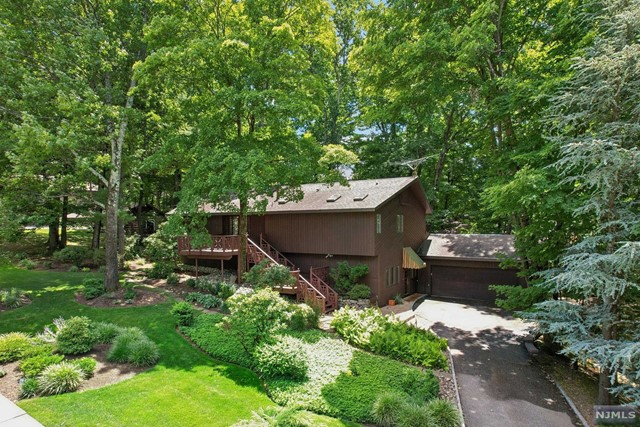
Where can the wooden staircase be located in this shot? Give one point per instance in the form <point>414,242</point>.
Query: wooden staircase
<point>314,291</point>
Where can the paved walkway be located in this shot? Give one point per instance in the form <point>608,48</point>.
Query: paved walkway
<point>12,416</point>
<point>498,384</point>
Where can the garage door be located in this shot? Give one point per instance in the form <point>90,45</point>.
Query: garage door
<point>468,283</point>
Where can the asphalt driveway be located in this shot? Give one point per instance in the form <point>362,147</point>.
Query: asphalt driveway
<point>498,384</point>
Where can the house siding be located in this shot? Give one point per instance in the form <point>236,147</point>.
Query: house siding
<point>322,234</point>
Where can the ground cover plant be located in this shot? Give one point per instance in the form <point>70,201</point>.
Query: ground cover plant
<point>12,298</point>
<point>339,380</point>
<point>220,394</point>
<point>370,330</point>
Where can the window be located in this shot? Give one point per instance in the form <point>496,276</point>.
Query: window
<point>392,276</point>
<point>378,223</point>
<point>400,223</point>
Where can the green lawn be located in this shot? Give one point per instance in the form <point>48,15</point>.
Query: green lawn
<point>186,388</point>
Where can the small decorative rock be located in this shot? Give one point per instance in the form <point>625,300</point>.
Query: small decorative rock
<point>356,303</point>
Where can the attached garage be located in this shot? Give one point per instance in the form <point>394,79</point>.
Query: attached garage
<point>462,266</point>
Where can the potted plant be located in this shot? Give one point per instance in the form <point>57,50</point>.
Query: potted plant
<point>392,302</point>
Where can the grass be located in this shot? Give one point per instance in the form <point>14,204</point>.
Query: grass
<point>186,387</point>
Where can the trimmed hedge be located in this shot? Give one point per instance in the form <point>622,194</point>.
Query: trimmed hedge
<point>75,337</point>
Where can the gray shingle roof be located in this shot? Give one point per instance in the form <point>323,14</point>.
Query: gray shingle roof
<point>358,196</point>
<point>478,247</point>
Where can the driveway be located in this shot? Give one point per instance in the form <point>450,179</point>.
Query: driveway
<point>498,384</point>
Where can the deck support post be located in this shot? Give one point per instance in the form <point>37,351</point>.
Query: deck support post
<point>196,267</point>
<point>222,270</point>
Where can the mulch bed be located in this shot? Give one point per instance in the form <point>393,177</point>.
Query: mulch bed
<point>106,373</point>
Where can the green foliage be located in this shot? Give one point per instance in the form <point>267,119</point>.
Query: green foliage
<point>210,333</point>
<point>98,257</point>
<point>290,416</point>
<point>387,409</point>
<point>345,276</point>
<point>173,279</point>
<point>133,346</point>
<point>160,270</point>
<point>87,366</point>
<point>61,378</point>
<point>33,366</point>
<point>443,413</point>
<point>413,415</point>
<point>183,312</point>
<point>263,275</point>
<point>204,284</point>
<point>191,282</point>
<point>75,337</point>
<point>75,255</point>
<point>281,359</point>
<point>93,288</point>
<point>104,333</point>
<point>3,373</point>
<point>205,300</point>
<point>356,326</point>
<point>29,388</point>
<point>359,292</point>
<point>74,269</point>
<point>398,299</point>
<point>370,376</point>
<point>224,290</point>
<point>12,298</point>
<point>514,298</point>
<point>161,247</point>
<point>370,330</point>
<point>13,346</point>
<point>48,265</point>
<point>129,291</point>
<point>302,317</point>
<point>256,316</point>
<point>27,264</point>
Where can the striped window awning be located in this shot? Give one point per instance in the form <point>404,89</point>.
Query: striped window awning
<point>410,259</point>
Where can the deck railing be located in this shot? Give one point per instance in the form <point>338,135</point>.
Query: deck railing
<point>276,255</point>
<point>219,244</point>
<point>318,277</point>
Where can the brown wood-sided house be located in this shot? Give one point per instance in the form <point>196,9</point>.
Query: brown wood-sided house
<point>378,222</point>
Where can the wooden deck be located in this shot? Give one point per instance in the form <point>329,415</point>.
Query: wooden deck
<point>221,247</point>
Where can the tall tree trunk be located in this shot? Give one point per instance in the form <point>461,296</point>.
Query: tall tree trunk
<point>113,197</point>
<point>242,230</point>
<point>121,236</point>
<point>95,239</point>
<point>63,222</point>
<point>54,236</point>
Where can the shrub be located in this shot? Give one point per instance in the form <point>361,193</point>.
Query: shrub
<point>104,333</point>
<point>224,290</point>
<point>48,265</point>
<point>30,387</point>
<point>256,316</point>
<point>160,270</point>
<point>191,282</point>
<point>33,366</point>
<point>205,300</point>
<point>61,378</point>
<point>183,312</point>
<point>204,284</point>
<point>133,346</point>
<point>12,298</point>
<point>302,317</point>
<point>75,337</point>
<point>281,359</point>
<point>75,255</point>
<point>160,247</point>
<point>357,326</point>
<point>517,298</point>
<point>86,365</point>
<point>271,416</point>
<point>345,277</point>
<point>413,415</point>
<point>143,352</point>
<point>129,292</point>
<point>93,288</point>
<point>255,273</point>
<point>359,292</point>
<point>173,279</point>
<point>443,413</point>
<point>102,269</point>
<point>74,269</point>
<point>277,276</point>
<point>99,257</point>
<point>120,351</point>
<point>409,344</point>
<point>13,346</point>
<point>387,408</point>
<point>27,264</point>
